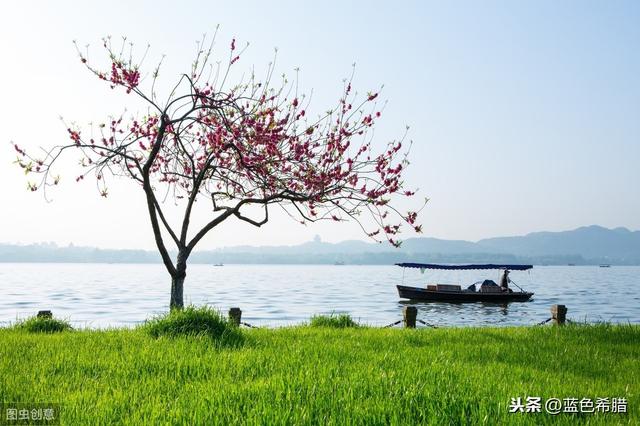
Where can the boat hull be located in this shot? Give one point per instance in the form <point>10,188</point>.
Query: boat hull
<point>424,295</point>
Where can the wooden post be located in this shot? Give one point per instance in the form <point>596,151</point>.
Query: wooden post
<point>44,314</point>
<point>558,314</point>
<point>409,314</point>
<point>235,315</point>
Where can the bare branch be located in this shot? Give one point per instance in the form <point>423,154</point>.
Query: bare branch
<point>255,222</point>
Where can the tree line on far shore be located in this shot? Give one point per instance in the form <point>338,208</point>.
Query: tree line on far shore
<point>50,253</point>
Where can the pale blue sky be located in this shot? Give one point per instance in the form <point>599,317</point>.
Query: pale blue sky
<point>525,116</point>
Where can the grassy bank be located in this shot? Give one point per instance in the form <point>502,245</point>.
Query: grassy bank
<point>318,375</point>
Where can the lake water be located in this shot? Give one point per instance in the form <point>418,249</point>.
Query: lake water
<point>105,295</point>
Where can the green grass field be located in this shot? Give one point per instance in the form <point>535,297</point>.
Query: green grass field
<point>322,375</point>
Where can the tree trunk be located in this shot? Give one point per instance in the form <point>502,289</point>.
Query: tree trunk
<point>177,282</point>
<point>177,290</point>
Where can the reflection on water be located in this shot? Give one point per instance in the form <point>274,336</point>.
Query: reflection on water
<point>99,295</point>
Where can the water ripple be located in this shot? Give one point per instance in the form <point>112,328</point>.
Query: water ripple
<point>101,295</point>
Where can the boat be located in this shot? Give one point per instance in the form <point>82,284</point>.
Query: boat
<point>605,265</point>
<point>218,264</point>
<point>489,291</point>
<point>339,263</point>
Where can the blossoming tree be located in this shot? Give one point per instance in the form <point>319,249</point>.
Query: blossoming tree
<point>239,145</point>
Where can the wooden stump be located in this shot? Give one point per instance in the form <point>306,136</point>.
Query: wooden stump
<point>558,314</point>
<point>44,314</point>
<point>235,315</point>
<point>409,314</point>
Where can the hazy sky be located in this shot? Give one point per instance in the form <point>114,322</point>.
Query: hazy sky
<point>525,116</point>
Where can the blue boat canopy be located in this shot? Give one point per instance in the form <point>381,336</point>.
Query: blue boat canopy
<point>465,267</point>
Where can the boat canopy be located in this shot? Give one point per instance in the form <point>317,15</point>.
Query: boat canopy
<point>465,267</point>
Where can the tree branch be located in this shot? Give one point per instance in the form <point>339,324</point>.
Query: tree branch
<point>208,227</point>
<point>152,201</point>
<point>254,222</point>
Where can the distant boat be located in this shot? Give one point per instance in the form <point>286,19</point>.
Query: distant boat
<point>489,290</point>
<point>339,263</point>
<point>605,265</point>
<point>218,264</point>
<point>571,264</point>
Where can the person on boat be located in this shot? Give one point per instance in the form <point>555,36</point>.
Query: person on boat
<point>504,281</point>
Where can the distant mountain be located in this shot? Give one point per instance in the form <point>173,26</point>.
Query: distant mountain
<point>51,253</point>
<point>586,245</point>
<point>435,245</point>
<point>590,242</point>
<point>311,247</point>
